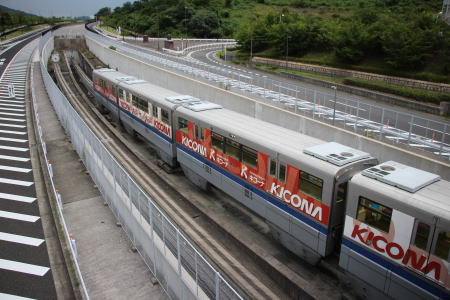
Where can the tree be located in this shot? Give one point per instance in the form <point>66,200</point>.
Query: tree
<point>351,42</point>
<point>103,12</point>
<point>203,24</point>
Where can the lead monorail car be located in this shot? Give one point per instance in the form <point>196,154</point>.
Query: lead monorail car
<point>309,192</point>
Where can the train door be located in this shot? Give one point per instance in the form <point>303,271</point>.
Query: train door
<point>431,244</point>
<point>337,216</point>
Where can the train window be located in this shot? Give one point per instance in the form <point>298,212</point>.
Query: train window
<point>165,116</point>
<point>122,94</point>
<point>140,103</point>
<point>233,149</point>
<point>374,214</point>
<point>273,168</point>
<point>155,111</point>
<point>217,141</point>
<point>282,172</point>
<point>128,98</point>
<point>102,83</point>
<point>250,157</point>
<point>199,135</point>
<point>442,245</point>
<point>310,185</point>
<point>183,125</point>
<point>422,234</point>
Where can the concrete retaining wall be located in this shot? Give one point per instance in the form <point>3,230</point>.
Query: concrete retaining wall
<point>242,104</point>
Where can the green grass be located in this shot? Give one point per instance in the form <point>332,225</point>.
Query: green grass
<point>310,75</point>
<point>23,31</point>
<point>407,92</point>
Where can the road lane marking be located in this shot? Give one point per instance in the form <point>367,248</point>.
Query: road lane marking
<point>11,119</point>
<point>17,198</point>
<point>12,125</point>
<point>14,148</point>
<point>23,267</point>
<point>13,297</point>
<point>13,132</point>
<point>20,239</point>
<point>13,140</point>
<point>15,158</point>
<point>19,217</point>
<point>15,169</point>
<point>15,182</point>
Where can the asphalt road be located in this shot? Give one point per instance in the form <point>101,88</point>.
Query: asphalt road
<point>24,261</point>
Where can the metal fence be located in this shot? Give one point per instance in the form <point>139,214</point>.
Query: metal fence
<point>180,269</point>
<point>375,121</point>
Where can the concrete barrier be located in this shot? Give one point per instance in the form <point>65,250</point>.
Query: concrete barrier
<point>266,112</point>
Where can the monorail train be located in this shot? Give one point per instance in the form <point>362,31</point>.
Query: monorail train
<point>390,222</point>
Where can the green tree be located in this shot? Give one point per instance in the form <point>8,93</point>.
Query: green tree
<point>352,42</point>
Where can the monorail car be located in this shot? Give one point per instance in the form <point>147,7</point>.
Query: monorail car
<point>295,182</point>
<point>390,221</point>
<point>397,233</point>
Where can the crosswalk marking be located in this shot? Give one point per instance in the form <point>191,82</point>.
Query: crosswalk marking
<point>17,198</point>
<point>13,140</point>
<point>14,148</point>
<point>13,132</point>
<point>20,239</point>
<point>12,119</point>
<point>13,297</point>
<point>12,114</point>
<point>12,125</point>
<point>15,182</point>
<point>19,217</point>
<point>15,169</point>
<point>14,158</point>
<point>23,267</point>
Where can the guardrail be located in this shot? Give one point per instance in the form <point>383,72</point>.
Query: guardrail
<point>370,120</point>
<point>56,194</point>
<point>199,47</point>
<point>179,267</point>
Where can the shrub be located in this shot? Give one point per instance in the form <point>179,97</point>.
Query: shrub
<point>419,95</point>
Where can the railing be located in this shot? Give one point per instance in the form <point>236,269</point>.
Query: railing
<point>374,121</point>
<point>200,47</point>
<point>180,269</point>
<point>56,194</point>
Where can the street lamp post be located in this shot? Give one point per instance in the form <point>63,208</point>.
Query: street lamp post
<point>287,49</point>
<point>334,104</point>
<point>185,25</point>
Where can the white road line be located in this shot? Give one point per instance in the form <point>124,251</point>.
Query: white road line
<point>12,125</point>
<point>13,297</point>
<point>15,182</point>
<point>13,132</point>
<point>17,198</point>
<point>19,217</point>
<point>23,267</point>
<point>11,114</point>
<point>10,101</point>
<point>15,169</point>
<point>11,119</point>
<point>15,158</point>
<point>14,148</point>
<point>12,105</point>
<point>13,140</point>
<point>20,239</point>
<point>11,109</point>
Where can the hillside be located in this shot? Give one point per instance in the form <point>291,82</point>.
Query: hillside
<point>384,36</point>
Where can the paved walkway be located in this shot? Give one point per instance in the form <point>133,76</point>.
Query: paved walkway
<point>111,270</point>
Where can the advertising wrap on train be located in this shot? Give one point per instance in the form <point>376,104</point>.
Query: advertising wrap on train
<point>395,246</point>
<point>257,176</point>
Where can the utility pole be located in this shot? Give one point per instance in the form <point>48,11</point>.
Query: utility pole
<point>287,49</point>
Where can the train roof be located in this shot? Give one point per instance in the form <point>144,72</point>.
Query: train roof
<point>326,157</point>
<point>299,147</point>
<point>408,187</point>
<point>139,87</point>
